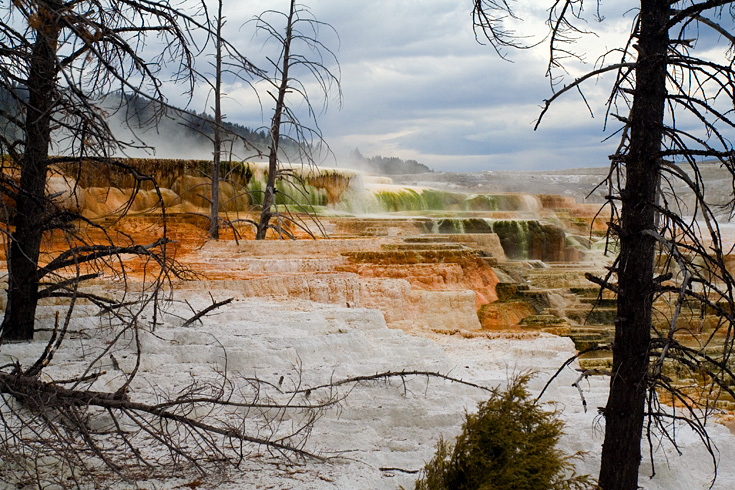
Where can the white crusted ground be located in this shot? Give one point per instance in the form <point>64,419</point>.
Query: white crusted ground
<point>381,424</point>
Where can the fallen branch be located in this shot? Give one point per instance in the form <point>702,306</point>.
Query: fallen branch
<point>206,310</point>
<point>401,470</point>
<point>391,374</point>
<point>44,396</point>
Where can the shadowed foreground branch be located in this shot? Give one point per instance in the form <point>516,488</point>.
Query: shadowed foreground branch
<point>77,436</point>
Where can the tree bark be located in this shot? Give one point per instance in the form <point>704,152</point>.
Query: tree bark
<point>269,197</point>
<point>214,215</point>
<point>25,245</point>
<point>624,413</point>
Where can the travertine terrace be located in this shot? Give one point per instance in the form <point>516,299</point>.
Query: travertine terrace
<point>397,278</point>
<point>427,259</point>
<point>430,260</point>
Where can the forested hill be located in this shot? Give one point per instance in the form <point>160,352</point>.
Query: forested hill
<point>196,130</point>
<point>177,133</point>
<point>186,134</point>
<point>386,165</point>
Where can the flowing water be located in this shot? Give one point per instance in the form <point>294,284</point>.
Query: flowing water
<point>438,258</point>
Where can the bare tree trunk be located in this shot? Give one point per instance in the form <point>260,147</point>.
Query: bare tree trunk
<point>269,197</point>
<point>624,413</point>
<point>214,216</point>
<point>25,244</point>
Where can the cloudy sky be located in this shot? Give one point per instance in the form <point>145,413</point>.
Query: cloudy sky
<point>417,85</point>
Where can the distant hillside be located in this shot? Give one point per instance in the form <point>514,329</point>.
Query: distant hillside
<point>179,134</point>
<point>188,134</point>
<point>386,165</point>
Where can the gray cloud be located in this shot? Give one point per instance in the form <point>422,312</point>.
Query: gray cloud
<point>417,85</point>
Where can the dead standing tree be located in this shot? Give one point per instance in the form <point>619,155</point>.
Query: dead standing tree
<point>81,426</point>
<point>668,251</point>
<point>301,54</point>
<point>217,139</point>
<point>63,58</point>
<point>69,428</point>
<point>663,253</point>
<point>228,62</point>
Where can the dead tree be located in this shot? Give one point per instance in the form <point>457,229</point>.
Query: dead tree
<point>68,433</point>
<point>214,218</point>
<point>301,54</point>
<point>228,61</point>
<point>63,58</point>
<point>671,252</point>
<point>84,426</point>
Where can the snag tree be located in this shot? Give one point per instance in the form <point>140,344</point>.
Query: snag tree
<point>228,62</point>
<point>62,60</point>
<point>301,55</point>
<point>675,300</point>
<point>679,112</point>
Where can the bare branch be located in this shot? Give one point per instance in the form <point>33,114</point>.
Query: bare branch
<point>206,311</point>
